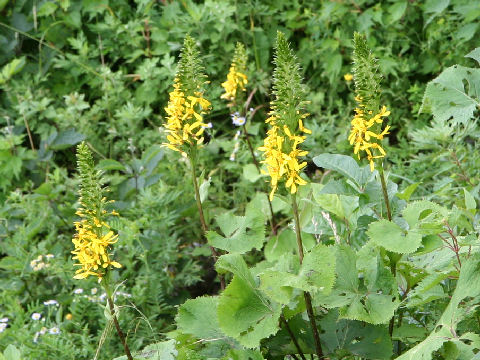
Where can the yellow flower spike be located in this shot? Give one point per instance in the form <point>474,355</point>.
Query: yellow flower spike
<point>348,77</point>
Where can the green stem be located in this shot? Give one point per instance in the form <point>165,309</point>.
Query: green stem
<point>114,317</point>
<point>384,190</point>
<point>392,258</point>
<point>292,336</point>
<point>200,213</point>
<point>306,295</point>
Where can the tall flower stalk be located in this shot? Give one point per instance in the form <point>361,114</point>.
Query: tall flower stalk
<point>94,238</point>
<point>282,146</point>
<point>185,117</point>
<point>235,90</point>
<point>368,130</point>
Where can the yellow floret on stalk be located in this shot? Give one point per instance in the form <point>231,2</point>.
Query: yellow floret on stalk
<point>281,146</point>
<point>93,239</point>
<point>236,78</point>
<point>187,106</point>
<point>367,129</point>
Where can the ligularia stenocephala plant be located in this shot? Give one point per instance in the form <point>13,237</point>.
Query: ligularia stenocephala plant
<point>185,116</point>
<point>94,238</point>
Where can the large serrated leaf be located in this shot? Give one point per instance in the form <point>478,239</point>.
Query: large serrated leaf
<point>425,216</point>
<point>393,238</point>
<point>198,317</point>
<point>373,301</point>
<point>454,94</point>
<point>241,233</point>
<point>246,315</point>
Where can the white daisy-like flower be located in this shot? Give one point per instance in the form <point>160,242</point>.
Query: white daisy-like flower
<point>4,320</point>
<point>94,291</point>
<point>238,120</point>
<point>54,331</point>
<point>49,256</point>
<point>78,291</point>
<point>36,316</point>
<point>3,326</point>
<point>50,302</point>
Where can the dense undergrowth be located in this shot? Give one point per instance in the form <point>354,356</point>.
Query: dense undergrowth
<point>101,72</point>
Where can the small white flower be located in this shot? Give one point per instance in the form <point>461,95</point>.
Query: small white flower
<point>54,331</point>
<point>50,302</point>
<point>94,291</point>
<point>232,157</point>
<point>4,320</point>
<point>43,330</point>
<point>78,291</point>
<point>36,316</point>
<point>3,326</point>
<point>251,109</point>
<point>238,120</point>
<point>49,256</point>
<point>207,126</point>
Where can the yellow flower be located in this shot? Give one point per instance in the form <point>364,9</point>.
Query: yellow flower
<point>282,155</point>
<point>363,137</point>
<point>348,77</point>
<point>185,118</point>
<point>91,248</point>
<point>236,81</point>
<point>68,317</point>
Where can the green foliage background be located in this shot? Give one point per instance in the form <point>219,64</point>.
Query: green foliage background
<point>100,71</point>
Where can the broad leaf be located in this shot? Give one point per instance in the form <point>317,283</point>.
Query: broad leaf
<point>454,94</point>
<point>393,238</point>
<point>345,165</point>
<point>246,315</point>
<point>198,317</point>
<point>241,233</point>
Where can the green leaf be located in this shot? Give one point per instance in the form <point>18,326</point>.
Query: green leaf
<point>373,301</point>
<point>47,9</point>
<point>240,233</point>
<point>10,69</point>
<point>243,354</point>
<point>475,55</point>
<point>66,139</point>
<point>12,353</point>
<point>345,165</point>
<point>407,193</point>
<point>164,350</point>
<point>110,164</point>
<point>396,11</point>
<point>360,339</point>
<point>445,330</point>
<point>318,269</point>
<point>341,205</point>
<point>246,315</point>
<point>425,216</point>
<point>280,245</point>
<point>203,190</point>
<point>251,173</point>
<point>198,317</point>
<point>470,203</point>
<point>235,264</point>
<point>393,238</point>
<point>454,94</point>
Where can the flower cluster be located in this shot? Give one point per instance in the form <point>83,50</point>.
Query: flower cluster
<point>282,153</point>
<point>91,248</point>
<point>185,118</point>
<point>187,106</point>
<point>363,137</point>
<point>236,78</point>
<point>93,237</point>
<point>286,133</point>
